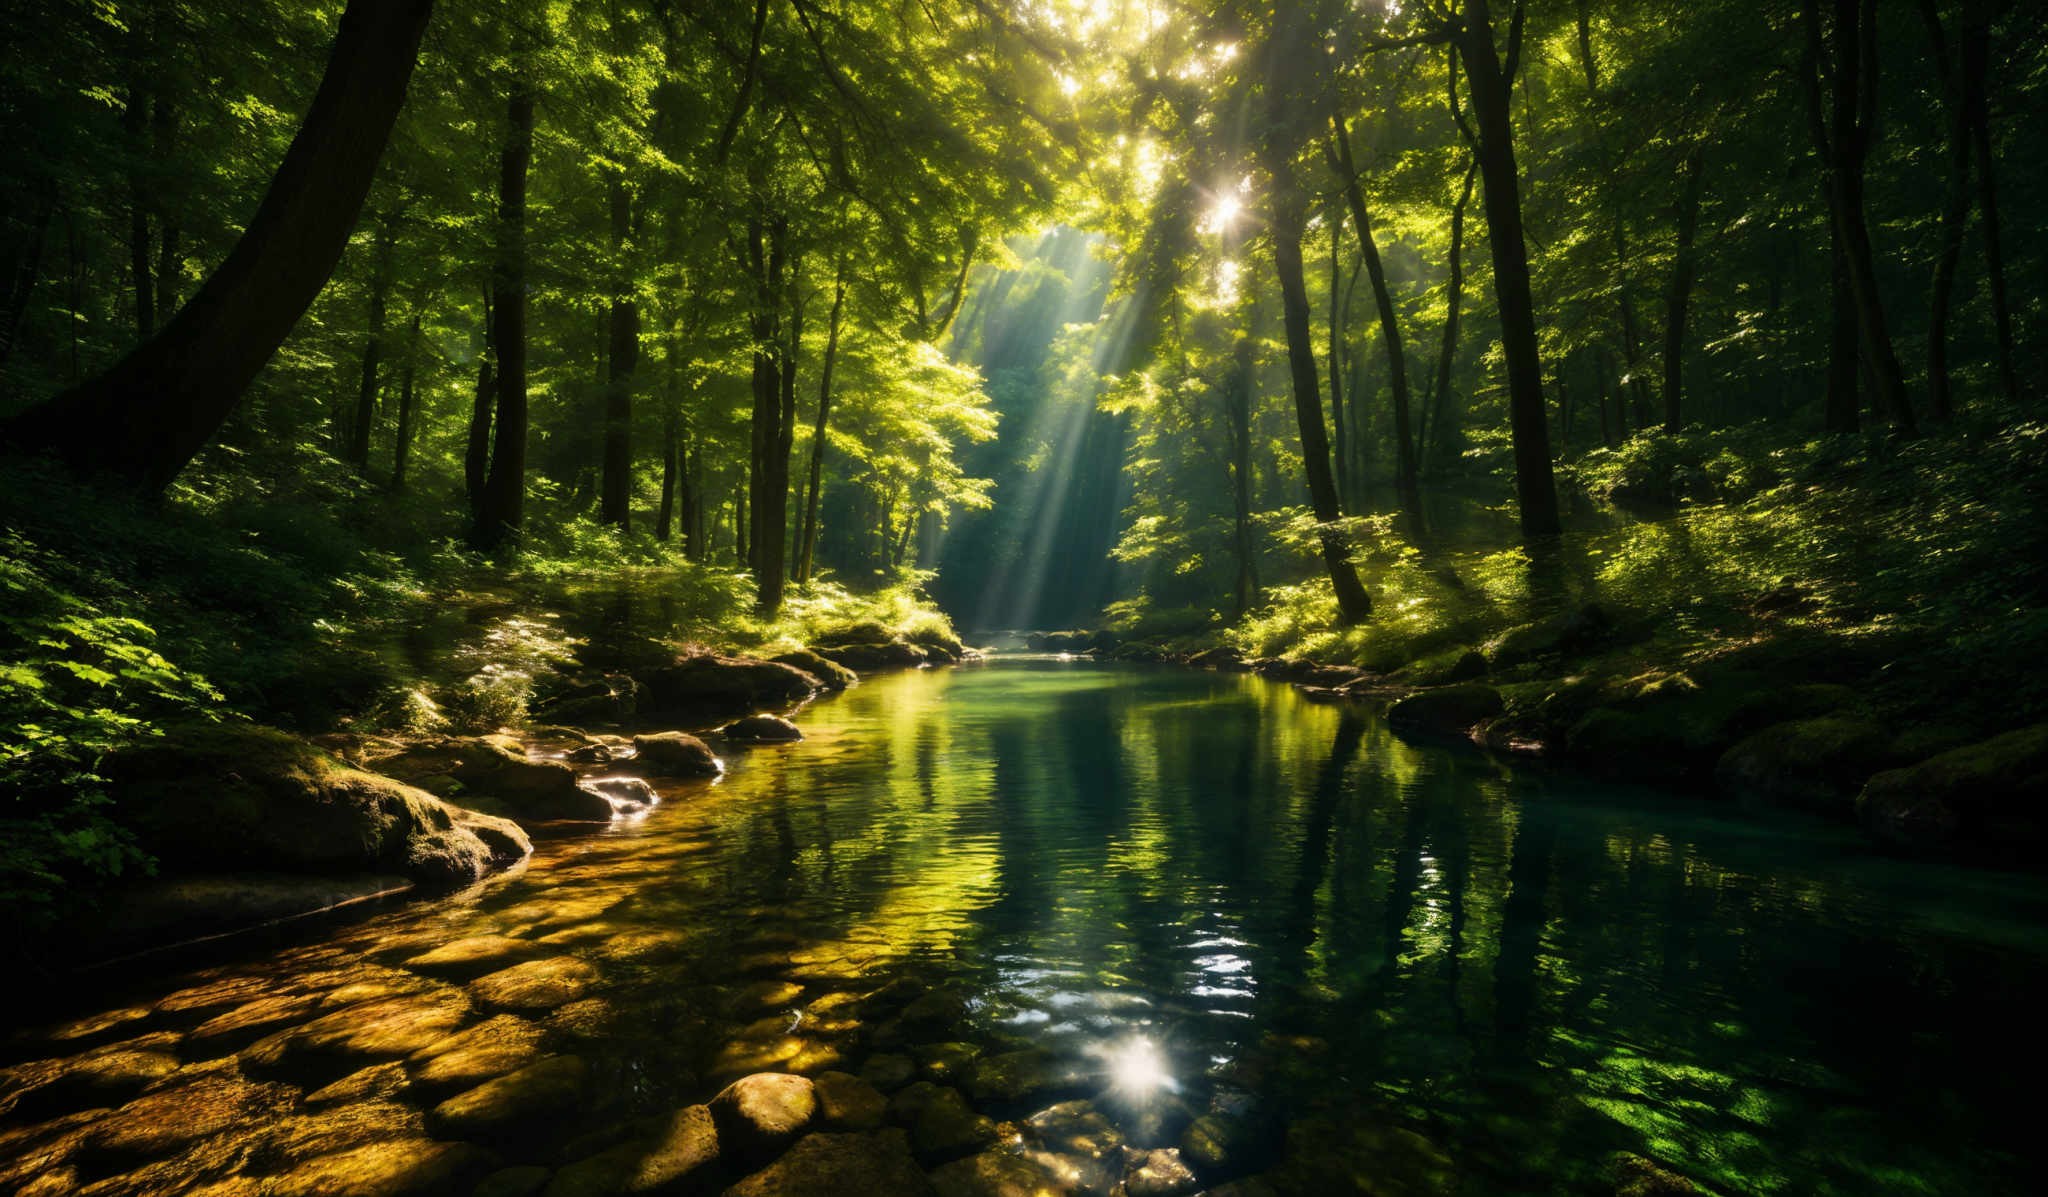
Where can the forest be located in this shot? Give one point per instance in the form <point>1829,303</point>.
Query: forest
<point>488,454</point>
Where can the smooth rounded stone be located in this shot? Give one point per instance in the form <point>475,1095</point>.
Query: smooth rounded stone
<point>519,1101</point>
<point>102,1076</point>
<point>399,1168</point>
<point>522,1181</point>
<point>80,1032</point>
<point>200,1002</point>
<point>591,1018</point>
<point>940,1008</point>
<point>378,1080</point>
<point>535,985</point>
<point>641,944</point>
<point>814,1057</point>
<point>1160,1174</point>
<point>680,1156</point>
<point>1077,1128</point>
<point>495,772</point>
<point>492,1048</point>
<point>1015,1076</point>
<point>846,1102</point>
<point>888,1071</point>
<point>213,1099</point>
<point>761,729</point>
<point>370,1031</point>
<point>995,1174</point>
<point>946,1062</point>
<point>759,1115</point>
<point>763,995</point>
<point>224,1034</point>
<point>628,795</point>
<point>942,1125</point>
<point>372,983</point>
<point>463,959</point>
<point>675,754</point>
<point>591,754</point>
<point>843,1165</point>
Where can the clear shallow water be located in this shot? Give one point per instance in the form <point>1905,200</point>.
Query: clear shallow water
<point>1197,886</point>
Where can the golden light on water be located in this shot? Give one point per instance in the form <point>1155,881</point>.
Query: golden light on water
<point>1137,1068</point>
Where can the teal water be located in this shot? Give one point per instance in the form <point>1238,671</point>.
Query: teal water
<point>1431,972</point>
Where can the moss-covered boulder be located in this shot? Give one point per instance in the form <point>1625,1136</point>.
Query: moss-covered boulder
<point>1446,710</point>
<point>1442,669</point>
<point>830,674</point>
<point>240,797</point>
<point>494,772</point>
<point>708,684</point>
<point>761,729</point>
<point>1807,764</point>
<point>1991,796</point>
<point>674,754</point>
<point>863,657</point>
<point>1576,630</point>
<point>1672,728</point>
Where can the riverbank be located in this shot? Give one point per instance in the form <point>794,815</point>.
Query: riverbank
<point>1846,628</point>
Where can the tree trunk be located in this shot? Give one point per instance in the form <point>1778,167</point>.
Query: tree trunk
<point>785,428</point>
<point>1841,411</point>
<point>668,474</point>
<point>476,461</point>
<point>1353,604</point>
<point>141,421</point>
<point>134,122</point>
<point>373,348</point>
<point>1843,149</point>
<point>615,506</point>
<point>1955,212</point>
<point>1976,64</point>
<point>1682,270</point>
<point>767,489</point>
<point>1454,300</point>
<point>807,543</point>
<point>169,262</point>
<point>1491,88</point>
<point>1406,482</point>
<point>24,265</point>
<point>405,398</point>
<point>1237,403</point>
<point>504,491</point>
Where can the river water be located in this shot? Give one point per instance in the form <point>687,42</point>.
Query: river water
<point>1415,970</point>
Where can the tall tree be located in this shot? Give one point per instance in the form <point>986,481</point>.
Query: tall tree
<point>1406,475</point>
<point>615,505</point>
<point>504,490</point>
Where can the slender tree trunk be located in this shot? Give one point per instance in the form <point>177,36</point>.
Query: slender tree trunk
<point>615,506</point>
<point>807,543</point>
<point>668,475</point>
<point>740,527</point>
<point>1955,212</point>
<point>1406,475</point>
<point>1842,408</point>
<point>785,426</point>
<point>373,347</point>
<point>142,420</point>
<point>1976,69</point>
<point>1491,86</point>
<point>1631,341</point>
<point>1454,301</point>
<point>476,460</point>
<point>504,491</point>
<point>23,266</point>
<point>1353,604</point>
<point>1345,494</point>
<point>135,122</point>
<point>1843,149</point>
<point>767,491</point>
<point>1683,266</point>
<point>405,401</point>
<point>169,261</point>
<point>1237,403</point>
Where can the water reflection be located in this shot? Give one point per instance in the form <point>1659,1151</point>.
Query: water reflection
<point>1139,909</point>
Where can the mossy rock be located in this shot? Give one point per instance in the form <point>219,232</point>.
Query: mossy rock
<point>235,796</point>
<point>1581,629</point>
<point>494,772</point>
<point>1672,728</point>
<point>864,657</point>
<point>932,637</point>
<point>1442,669</point>
<point>830,674</point>
<point>1446,710</point>
<point>723,687</point>
<point>1992,796</point>
<point>1807,764</point>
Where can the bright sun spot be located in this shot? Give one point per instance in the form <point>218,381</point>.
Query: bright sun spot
<point>1223,213</point>
<point>1136,1068</point>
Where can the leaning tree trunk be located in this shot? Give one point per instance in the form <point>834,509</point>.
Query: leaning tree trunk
<point>504,490</point>
<point>141,421</point>
<point>616,490</point>
<point>1353,604</point>
<point>1683,265</point>
<point>1491,86</point>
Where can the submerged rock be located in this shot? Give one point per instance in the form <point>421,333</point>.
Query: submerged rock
<point>396,1168</point>
<point>680,1155</point>
<point>490,1049</point>
<point>846,1102</point>
<point>531,1098</point>
<point>675,754</point>
<point>942,1125</point>
<point>626,794</point>
<point>537,985</point>
<point>759,1115</point>
<point>370,1031</point>
<point>888,1071</point>
<point>762,729</point>
<point>1993,795</point>
<point>994,1174</point>
<point>1032,1072</point>
<point>472,956</point>
<point>1159,1174</point>
<point>844,1165</point>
